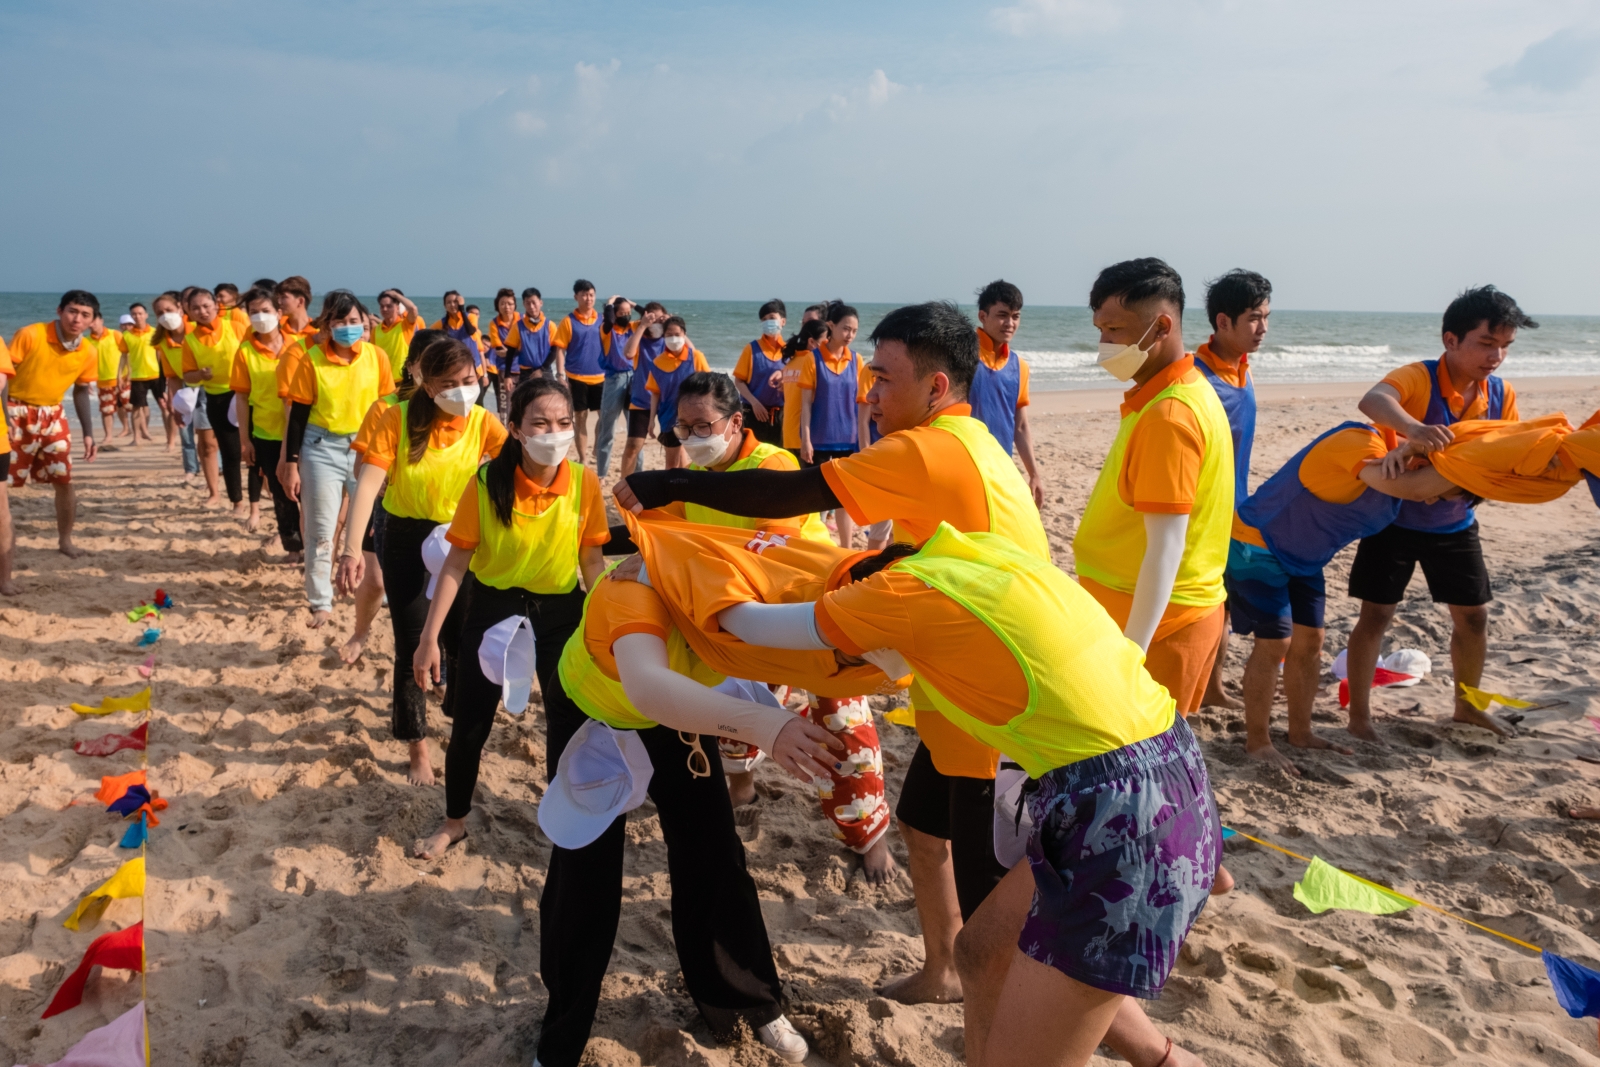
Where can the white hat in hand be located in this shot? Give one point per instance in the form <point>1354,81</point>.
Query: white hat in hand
<point>434,551</point>
<point>602,773</point>
<point>506,656</point>
<point>184,402</point>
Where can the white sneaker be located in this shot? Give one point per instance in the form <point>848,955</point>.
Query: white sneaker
<point>781,1037</point>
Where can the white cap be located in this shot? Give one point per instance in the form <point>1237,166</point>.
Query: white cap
<point>233,411</point>
<point>126,320</point>
<point>1411,661</point>
<point>1010,833</point>
<point>184,402</point>
<point>434,551</point>
<point>506,656</point>
<point>602,773</point>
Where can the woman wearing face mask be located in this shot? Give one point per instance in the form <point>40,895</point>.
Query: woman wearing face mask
<point>678,359</point>
<point>758,375</point>
<point>254,381</point>
<point>529,524</point>
<point>208,353</point>
<point>644,345</point>
<point>167,342</point>
<point>330,389</point>
<point>427,447</point>
<point>833,384</point>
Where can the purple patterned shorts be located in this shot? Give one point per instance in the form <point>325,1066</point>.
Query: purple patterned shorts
<point>1124,852</point>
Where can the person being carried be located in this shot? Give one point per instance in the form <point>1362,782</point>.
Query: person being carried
<point>1000,384</point>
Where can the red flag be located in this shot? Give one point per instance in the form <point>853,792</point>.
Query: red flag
<point>1381,676</point>
<point>106,744</point>
<point>123,950</point>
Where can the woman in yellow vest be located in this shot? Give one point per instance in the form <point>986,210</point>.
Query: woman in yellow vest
<point>144,370</point>
<point>208,353</point>
<point>529,527</point>
<point>111,380</point>
<point>167,342</point>
<point>329,390</point>
<point>427,447</point>
<point>262,419</point>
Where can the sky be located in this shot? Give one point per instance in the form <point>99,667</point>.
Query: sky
<point>1365,155</point>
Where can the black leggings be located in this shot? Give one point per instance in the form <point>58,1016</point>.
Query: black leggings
<point>716,916</point>
<point>405,580</point>
<point>227,435</point>
<point>284,510</point>
<point>475,698</point>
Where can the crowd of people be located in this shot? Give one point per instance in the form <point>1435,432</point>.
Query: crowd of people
<point>829,525</point>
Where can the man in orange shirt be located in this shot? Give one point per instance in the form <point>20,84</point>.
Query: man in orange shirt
<point>1000,384</point>
<point>1420,401</point>
<point>48,358</point>
<point>1238,305</point>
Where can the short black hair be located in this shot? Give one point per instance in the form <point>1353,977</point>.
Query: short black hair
<point>582,285</point>
<point>1136,281</point>
<point>1235,293</point>
<point>938,337</point>
<point>264,283</point>
<point>137,304</point>
<point>715,384</point>
<point>80,297</point>
<point>1484,306</point>
<point>820,309</point>
<point>225,287</point>
<point>1000,291</point>
<point>863,569</point>
<point>531,291</point>
<point>253,294</point>
<point>773,307</point>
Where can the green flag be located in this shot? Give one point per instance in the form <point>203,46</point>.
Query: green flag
<point>1324,887</point>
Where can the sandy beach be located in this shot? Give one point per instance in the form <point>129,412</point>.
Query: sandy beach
<point>287,924</point>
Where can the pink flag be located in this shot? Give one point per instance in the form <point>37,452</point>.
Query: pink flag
<point>119,1043</point>
<point>106,744</point>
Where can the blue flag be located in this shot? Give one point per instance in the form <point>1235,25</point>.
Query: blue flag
<point>136,834</point>
<point>135,798</point>
<point>1227,833</point>
<point>1576,986</point>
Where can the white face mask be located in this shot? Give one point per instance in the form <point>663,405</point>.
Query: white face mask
<point>264,321</point>
<point>169,320</point>
<point>1122,362</point>
<point>772,327</point>
<point>655,329</point>
<point>704,451</point>
<point>548,449</point>
<point>675,342</point>
<point>459,400</point>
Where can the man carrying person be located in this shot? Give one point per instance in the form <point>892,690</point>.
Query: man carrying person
<point>1420,401</point>
<point>576,343</point>
<point>1238,304</point>
<point>1000,385</point>
<point>47,358</point>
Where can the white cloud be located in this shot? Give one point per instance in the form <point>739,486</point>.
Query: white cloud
<point>880,88</point>
<point>527,123</point>
<point>1062,17</point>
<point>1557,64</point>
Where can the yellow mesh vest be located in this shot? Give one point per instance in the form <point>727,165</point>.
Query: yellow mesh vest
<point>344,390</point>
<point>538,553</point>
<point>1088,692</point>
<point>1012,511</point>
<point>392,339</point>
<point>812,528</point>
<point>142,363</point>
<point>431,487</point>
<point>217,357</point>
<point>108,356</point>
<point>266,406</point>
<point>1110,543</point>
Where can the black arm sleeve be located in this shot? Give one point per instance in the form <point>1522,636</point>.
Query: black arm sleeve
<point>752,493</point>
<point>621,543</point>
<point>294,437</point>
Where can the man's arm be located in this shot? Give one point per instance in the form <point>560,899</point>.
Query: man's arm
<point>1024,443</point>
<point>85,408</point>
<point>807,453</point>
<point>1165,535</point>
<point>755,494</point>
<point>1382,406</point>
<point>1424,483</point>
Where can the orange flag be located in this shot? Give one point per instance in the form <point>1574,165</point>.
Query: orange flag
<point>112,787</point>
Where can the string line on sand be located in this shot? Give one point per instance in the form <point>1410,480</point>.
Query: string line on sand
<point>1420,903</point>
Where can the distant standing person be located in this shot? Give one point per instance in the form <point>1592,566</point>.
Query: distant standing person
<point>400,322</point>
<point>1238,305</point>
<point>644,345</point>
<point>833,383</point>
<point>758,375</point>
<point>679,359</point>
<point>167,342</point>
<point>47,358</point>
<point>144,371</point>
<point>616,333</point>
<point>262,417</point>
<point>226,294</point>
<point>8,539</point>
<point>577,344</point>
<point>528,349</point>
<point>208,353</point>
<point>1000,388</point>
<point>1420,401</point>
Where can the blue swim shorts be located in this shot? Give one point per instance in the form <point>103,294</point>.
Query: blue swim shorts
<point>1124,850</point>
<point>1264,599</point>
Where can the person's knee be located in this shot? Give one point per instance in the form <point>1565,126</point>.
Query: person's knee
<point>1472,620</point>
<point>1270,649</point>
<point>1306,643</point>
<point>1376,616</point>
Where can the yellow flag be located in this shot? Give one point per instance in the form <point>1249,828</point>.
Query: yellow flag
<point>901,717</point>
<point>127,882</point>
<point>140,701</point>
<point>1481,699</point>
<point>1324,887</point>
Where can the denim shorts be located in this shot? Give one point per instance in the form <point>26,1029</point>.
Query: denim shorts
<point>1124,851</point>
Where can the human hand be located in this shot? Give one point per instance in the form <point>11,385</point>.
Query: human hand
<point>425,664</point>
<point>247,451</point>
<point>803,749</point>
<point>1425,439</point>
<point>628,570</point>
<point>289,478</point>
<point>352,568</point>
<point>90,449</point>
<point>1036,484</point>
<point>759,410</point>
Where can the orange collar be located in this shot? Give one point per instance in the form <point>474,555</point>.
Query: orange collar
<point>1136,398</point>
<point>673,362</point>
<point>1454,399</point>
<point>772,346</point>
<point>953,409</point>
<point>333,356</point>
<point>587,320</point>
<point>53,336</point>
<point>747,446</point>
<point>834,363</point>
<point>534,324</point>
<point>1238,367</point>
<point>138,332</point>
<point>525,488</point>
<point>209,334</point>
<point>270,353</point>
<point>994,357</point>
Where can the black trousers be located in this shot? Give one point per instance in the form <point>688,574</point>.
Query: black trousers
<point>474,698</point>
<point>227,435</point>
<point>284,510</point>
<point>405,580</point>
<point>960,810</point>
<point>716,917</point>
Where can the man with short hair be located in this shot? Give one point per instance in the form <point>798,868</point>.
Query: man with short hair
<point>111,378</point>
<point>616,332</point>
<point>1238,305</point>
<point>1420,401</point>
<point>398,323</point>
<point>999,395</point>
<point>226,295</point>
<point>758,375</point>
<point>47,358</point>
<point>531,341</point>
<point>576,343</point>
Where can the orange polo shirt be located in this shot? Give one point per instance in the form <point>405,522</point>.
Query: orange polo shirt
<point>387,435</point>
<point>1415,389</point>
<point>1235,373</point>
<point>514,338</point>
<point>303,376</point>
<point>771,347</point>
<point>44,370</point>
<point>995,359</point>
<point>530,497</point>
<point>612,611</point>
<point>666,363</point>
<point>369,424</point>
<point>239,374</point>
<point>1332,471</point>
<point>563,337</point>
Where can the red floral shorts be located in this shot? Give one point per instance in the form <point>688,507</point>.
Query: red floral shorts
<point>42,443</point>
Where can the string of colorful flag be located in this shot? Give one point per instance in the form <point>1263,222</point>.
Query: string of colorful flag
<point>1325,887</point>
<point>125,1041</point>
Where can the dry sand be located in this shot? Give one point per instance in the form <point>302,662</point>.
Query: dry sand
<point>287,925</point>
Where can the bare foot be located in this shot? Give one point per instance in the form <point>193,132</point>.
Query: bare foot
<point>10,588</point>
<point>213,501</point>
<point>1221,884</point>
<point>1584,813</point>
<point>1474,717</point>
<point>421,770</point>
<point>1218,698</point>
<point>239,509</point>
<point>350,651</point>
<point>1270,755</point>
<point>318,618</point>
<point>877,863</point>
<point>72,551</point>
<point>742,789</point>
<point>1311,740</point>
<point>924,987</point>
<point>253,523</point>
<point>449,832</point>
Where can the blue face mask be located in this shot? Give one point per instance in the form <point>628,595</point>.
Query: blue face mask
<point>348,335</point>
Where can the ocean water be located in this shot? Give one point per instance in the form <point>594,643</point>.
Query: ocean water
<point>1061,345</point>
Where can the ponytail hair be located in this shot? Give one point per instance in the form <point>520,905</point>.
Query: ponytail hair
<point>437,361</point>
<point>500,479</point>
<point>811,331</point>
